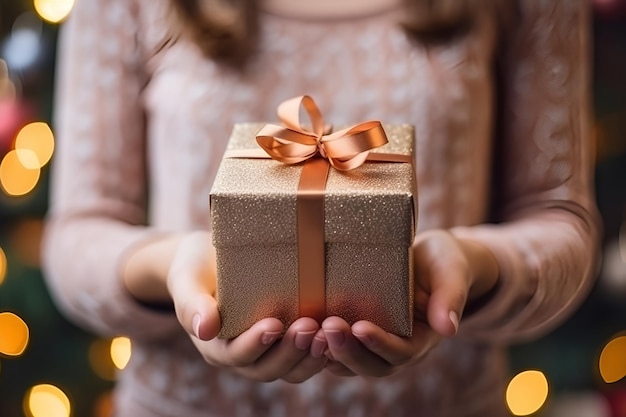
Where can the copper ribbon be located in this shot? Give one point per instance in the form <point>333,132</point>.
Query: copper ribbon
<point>344,150</point>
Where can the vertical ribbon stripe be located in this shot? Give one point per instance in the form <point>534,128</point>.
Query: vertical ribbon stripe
<point>311,243</point>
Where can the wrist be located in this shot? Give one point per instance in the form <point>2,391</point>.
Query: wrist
<point>144,273</point>
<point>484,269</point>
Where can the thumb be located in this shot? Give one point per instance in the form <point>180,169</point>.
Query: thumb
<point>191,283</point>
<point>445,308</point>
<point>443,272</point>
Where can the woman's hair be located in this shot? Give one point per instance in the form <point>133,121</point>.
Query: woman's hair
<point>226,30</point>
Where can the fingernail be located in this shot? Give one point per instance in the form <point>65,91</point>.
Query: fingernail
<point>269,337</point>
<point>335,338</point>
<point>196,325</point>
<point>318,347</point>
<point>454,318</point>
<point>365,339</point>
<point>303,339</point>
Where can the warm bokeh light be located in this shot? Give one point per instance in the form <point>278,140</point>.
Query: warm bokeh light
<point>34,138</point>
<point>100,359</point>
<point>527,392</point>
<point>15,178</point>
<point>25,239</point>
<point>53,11</point>
<point>7,88</point>
<point>14,333</point>
<point>612,362</point>
<point>46,400</point>
<point>104,405</point>
<point>120,351</point>
<point>3,265</point>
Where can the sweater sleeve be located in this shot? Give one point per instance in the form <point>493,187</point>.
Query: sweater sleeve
<point>546,243</point>
<point>97,204</point>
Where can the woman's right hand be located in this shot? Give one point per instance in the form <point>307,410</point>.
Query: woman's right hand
<point>266,351</point>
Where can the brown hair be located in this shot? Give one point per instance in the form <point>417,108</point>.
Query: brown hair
<point>226,30</point>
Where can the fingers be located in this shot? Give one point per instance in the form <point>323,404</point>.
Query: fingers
<point>339,369</point>
<point>366,349</point>
<point>247,348</point>
<point>285,354</point>
<point>313,362</point>
<point>345,348</point>
<point>395,350</point>
<point>263,353</point>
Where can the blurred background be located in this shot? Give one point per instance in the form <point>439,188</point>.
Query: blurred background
<point>50,368</point>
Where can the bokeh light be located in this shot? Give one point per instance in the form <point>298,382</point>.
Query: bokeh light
<point>612,363</point>
<point>527,392</point>
<point>120,351</point>
<point>25,239</point>
<point>100,359</point>
<point>22,48</point>
<point>14,333</point>
<point>104,405</point>
<point>54,11</point>
<point>15,178</point>
<point>46,400</point>
<point>34,138</point>
<point>3,265</point>
<point>7,88</point>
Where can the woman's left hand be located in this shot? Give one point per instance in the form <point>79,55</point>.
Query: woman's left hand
<point>449,273</point>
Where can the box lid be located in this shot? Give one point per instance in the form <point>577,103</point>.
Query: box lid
<point>253,201</point>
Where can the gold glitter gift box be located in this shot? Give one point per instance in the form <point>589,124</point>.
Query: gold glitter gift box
<point>369,225</point>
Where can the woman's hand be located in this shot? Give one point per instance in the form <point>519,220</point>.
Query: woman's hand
<point>449,273</point>
<point>266,351</point>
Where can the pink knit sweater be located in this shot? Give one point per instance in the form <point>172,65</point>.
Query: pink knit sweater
<point>141,130</point>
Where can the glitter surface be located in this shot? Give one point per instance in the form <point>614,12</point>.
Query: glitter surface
<point>369,228</point>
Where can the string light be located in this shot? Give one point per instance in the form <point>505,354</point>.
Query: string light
<point>7,88</point>
<point>46,400</point>
<point>22,49</point>
<point>107,356</point>
<point>53,11</point>
<point>100,359</point>
<point>20,169</point>
<point>3,265</point>
<point>34,138</point>
<point>15,334</point>
<point>104,405</point>
<point>527,392</point>
<point>15,178</point>
<point>612,363</point>
<point>120,351</point>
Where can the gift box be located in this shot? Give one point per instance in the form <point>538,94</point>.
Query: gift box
<point>341,247</point>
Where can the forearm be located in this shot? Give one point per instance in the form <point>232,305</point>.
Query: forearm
<point>82,258</point>
<point>547,265</point>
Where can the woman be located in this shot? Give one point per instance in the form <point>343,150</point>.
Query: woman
<point>147,96</point>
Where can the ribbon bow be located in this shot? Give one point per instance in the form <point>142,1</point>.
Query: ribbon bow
<point>291,143</point>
